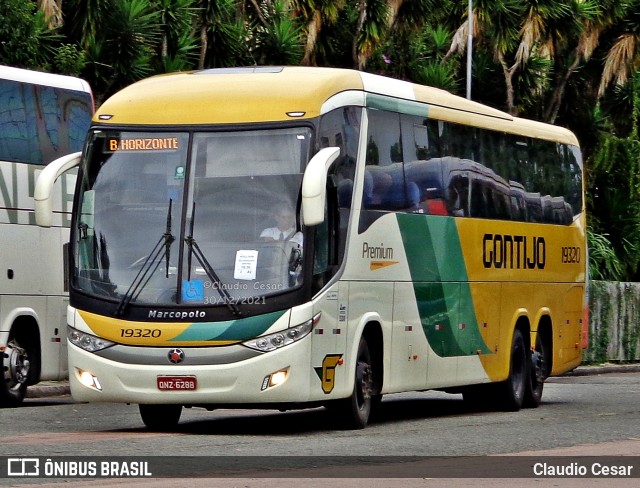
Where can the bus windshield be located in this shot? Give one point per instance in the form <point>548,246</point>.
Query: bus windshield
<point>241,238</point>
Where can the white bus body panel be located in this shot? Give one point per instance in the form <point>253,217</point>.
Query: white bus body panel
<point>31,263</point>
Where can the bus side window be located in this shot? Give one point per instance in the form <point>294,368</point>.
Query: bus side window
<point>384,187</point>
<point>338,128</point>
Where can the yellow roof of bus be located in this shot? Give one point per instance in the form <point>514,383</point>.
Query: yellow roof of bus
<point>270,94</point>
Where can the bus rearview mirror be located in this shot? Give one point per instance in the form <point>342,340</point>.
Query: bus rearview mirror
<point>314,185</point>
<point>44,186</point>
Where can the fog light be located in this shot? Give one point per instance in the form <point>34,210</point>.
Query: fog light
<point>275,379</point>
<point>278,378</point>
<point>89,380</point>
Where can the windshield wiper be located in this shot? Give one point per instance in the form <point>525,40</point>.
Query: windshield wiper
<point>150,265</point>
<point>194,249</point>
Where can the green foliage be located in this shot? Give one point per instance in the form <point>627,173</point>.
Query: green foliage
<point>25,39</point>
<point>281,43</point>
<point>224,37</point>
<point>183,55</point>
<point>178,47</point>
<point>122,50</point>
<point>604,264</point>
<point>86,19</point>
<point>418,55</point>
<point>436,74</point>
<point>614,203</point>
<point>69,60</point>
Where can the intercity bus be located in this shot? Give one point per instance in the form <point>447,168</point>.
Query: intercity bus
<point>42,117</point>
<point>440,246</point>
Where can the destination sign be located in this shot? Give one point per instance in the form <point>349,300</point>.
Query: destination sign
<point>143,144</point>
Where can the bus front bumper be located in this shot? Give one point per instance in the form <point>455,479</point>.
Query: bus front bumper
<point>280,376</point>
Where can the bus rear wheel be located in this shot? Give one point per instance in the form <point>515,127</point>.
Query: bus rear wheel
<point>160,417</point>
<point>537,374</point>
<point>511,392</point>
<point>15,368</point>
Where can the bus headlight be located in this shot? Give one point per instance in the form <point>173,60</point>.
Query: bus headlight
<point>282,338</point>
<point>86,341</point>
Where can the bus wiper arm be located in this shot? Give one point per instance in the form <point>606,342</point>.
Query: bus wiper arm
<point>194,250</point>
<point>149,267</point>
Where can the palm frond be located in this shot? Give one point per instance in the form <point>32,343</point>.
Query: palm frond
<point>618,62</point>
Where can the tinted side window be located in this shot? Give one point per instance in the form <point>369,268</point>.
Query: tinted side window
<point>442,168</point>
<point>508,177</point>
<point>39,124</point>
<point>339,128</point>
<point>384,186</point>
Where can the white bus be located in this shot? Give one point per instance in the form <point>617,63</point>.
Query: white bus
<point>289,237</point>
<point>42,117</point>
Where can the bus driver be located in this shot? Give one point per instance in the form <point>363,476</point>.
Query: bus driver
<point>285,229</point>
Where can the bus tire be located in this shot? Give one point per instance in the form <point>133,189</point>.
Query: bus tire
<point>537,375</point>
<point>160,417</point>
<point>15,368</point>
<point>354,411</point>
<point>512,391</point>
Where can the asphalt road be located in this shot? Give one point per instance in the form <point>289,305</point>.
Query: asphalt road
<point>593,412</point>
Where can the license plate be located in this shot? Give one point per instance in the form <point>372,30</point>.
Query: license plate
<point>176,383</point>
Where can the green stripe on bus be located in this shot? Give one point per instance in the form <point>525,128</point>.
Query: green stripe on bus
<point>440,284</point>
<point>231,330</point>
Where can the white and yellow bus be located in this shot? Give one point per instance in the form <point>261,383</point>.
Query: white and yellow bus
<point>423,241</point>
<point>42,117</point>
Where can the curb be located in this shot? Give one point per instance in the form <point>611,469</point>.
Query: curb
<point>604,368</point>
<point>48,389</point>
<point>61,388</point>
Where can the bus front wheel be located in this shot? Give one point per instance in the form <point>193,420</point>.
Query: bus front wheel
<point>160,417</point>
<point>354,411</point>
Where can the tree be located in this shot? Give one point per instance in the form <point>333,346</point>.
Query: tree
<point>538,45</point>
<point>85,19</point>
<point>26,41</point>
<point>614,188</point>
<point>624,56</point>
<point>496,26</point>
<point>278,37</point>
<point>178,47</point>
<point>52,12</point>
<point>119,38</point>
<point>224,37</point>
<point>314,15</point>
<point>370,30</point>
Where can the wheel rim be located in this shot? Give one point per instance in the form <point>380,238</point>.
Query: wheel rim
<point>364,384</point>
<point>15,366</point>
<point>537,362</point>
